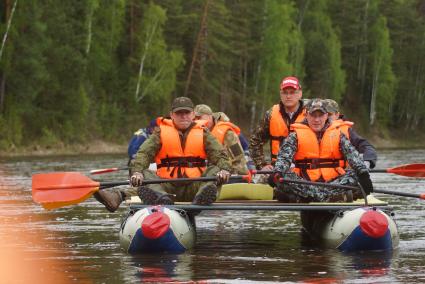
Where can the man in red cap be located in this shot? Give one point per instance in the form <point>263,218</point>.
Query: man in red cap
<point>274,126</point>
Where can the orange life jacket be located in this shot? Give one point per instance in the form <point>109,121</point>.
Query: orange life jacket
<point>220,129</point>
<point>343,125</point>
<point>314,160</point>
<point>172,160</point>
<point>279,129</point>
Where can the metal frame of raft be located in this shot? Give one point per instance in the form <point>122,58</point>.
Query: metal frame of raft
<point>344,226</point>
<point>267,206</point>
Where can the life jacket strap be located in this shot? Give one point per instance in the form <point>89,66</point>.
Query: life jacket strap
<point>185,162</point>
<point>311,164</point>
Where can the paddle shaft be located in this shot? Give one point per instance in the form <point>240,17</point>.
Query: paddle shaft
<point>108,170</point>
<point>170,180</point>
<point>371,171</point>
<point>409,170</point>
<point>406,194</point>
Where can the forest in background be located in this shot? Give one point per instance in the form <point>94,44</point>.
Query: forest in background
<point>75,71</point>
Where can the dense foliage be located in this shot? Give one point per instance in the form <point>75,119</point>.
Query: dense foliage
<point>72,71</point>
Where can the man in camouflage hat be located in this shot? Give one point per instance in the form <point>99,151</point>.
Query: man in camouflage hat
<point>274,126</point>
<point>319,152</point>
<point>180,148</point>
<point>227,134</point>
<point>368,151</point>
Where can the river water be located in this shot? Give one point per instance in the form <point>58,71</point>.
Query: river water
<point>80,244</point>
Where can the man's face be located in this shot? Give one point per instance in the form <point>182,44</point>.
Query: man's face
<point>182,119</point>
<point>316,120</point>
<point>208,118</point>
<point>290,97</point>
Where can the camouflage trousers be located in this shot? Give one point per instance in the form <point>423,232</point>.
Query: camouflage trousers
<point>184,191</point>
<point>291,192</point>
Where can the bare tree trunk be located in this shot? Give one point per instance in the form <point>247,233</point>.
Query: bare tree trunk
<point>372,113</point>
<point>363,49</point>
<point>2,91</point>
<point>131,27</point>
<point>150,33</point>
<point>200,37</point>
<point>8,13</point>
<point>253,116</point>
<point>8,19</point>
<point>89,28</point>
<point>302,12</point>
<point>245,78</point>
<point>259,67</point>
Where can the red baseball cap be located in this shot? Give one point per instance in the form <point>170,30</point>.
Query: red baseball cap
<point>290,82</point>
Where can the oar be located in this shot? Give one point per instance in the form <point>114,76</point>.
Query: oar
<point>54,190</point>
<point>409,170</point>
<point>107,170</point>
<point>415,195</point>
<point>334,185</point>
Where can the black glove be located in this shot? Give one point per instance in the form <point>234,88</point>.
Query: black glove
<point>273,179</point>
<point>365,182</point>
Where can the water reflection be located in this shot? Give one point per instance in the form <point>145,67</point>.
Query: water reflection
<point>163,268</point>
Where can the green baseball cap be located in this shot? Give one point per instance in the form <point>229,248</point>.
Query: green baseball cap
<point>182,103</point>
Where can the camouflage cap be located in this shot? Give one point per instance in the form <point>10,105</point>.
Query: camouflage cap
<point>317,104</point>
<point>182,103</point>
<point>202,109</point>
<point>331,105</point>
<point>220,116</point>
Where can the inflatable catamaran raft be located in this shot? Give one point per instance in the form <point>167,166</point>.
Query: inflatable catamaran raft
<point>345,226</point>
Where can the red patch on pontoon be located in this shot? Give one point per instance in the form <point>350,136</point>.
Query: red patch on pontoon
<point>374,224</point>
<point>155,225</point>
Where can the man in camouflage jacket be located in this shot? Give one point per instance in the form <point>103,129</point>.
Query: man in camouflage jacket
<point>230,141</point>
<point>289,192</point>
<point>165,193</point>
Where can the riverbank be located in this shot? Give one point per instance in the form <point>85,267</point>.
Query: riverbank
<point>93,147</point>
<point>105,147</point>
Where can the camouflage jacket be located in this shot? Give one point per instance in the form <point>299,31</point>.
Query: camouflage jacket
<point>216,154</point>
<point>262,134</point>
<point>235,152</point>
<point>290,146</point>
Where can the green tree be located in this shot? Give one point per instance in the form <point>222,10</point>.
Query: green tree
<point>104,32</point>
<point>63,102</point>
<point>407,32</point>
<point>156,66</point>
<point>24,73</point>
<point>280,50</point>
<point>384,81</point>
<point>208,77</point>
<point>322,60</point>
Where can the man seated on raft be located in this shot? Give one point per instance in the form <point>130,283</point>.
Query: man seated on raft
<point>364,147</point>
<point>180,147</point>
<point>319,151</point>
<point>227,134</point>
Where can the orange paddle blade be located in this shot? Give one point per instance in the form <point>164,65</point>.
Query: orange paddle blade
<point>410,170</point>
<point>54,190</point>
